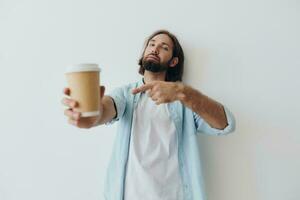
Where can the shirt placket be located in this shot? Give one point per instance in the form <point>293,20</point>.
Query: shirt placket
<point>176,116</point>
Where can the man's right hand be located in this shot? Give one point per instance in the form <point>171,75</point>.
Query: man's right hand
<point>74,117</point>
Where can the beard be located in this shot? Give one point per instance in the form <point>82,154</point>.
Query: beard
<point>155,67</point>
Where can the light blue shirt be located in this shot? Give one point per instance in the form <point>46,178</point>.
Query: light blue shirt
<point>188,125</point>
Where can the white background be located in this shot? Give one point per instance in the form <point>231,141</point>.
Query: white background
<point>244,54</point>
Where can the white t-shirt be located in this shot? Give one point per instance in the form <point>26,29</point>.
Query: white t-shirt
<point>152,168</point>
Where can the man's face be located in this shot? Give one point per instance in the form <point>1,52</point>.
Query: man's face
<point>158,53</point>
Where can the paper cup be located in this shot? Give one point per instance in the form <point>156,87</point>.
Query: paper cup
<point>84,83</point>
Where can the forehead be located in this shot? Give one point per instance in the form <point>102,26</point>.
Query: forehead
<point>162,38</point>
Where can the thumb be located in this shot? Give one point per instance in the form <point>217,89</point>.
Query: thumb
<point>102,90</point>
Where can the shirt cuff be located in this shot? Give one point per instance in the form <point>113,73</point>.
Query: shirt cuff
<point>203,127</point>
<point>230,124</point>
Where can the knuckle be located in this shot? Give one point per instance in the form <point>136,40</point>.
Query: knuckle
<point>63,101</point>
<point>73,103</point>
<point>70,121</point>
<point>68,102</point>
<point>75,116</point>
<point>73,122</point>
<point>68,112</point>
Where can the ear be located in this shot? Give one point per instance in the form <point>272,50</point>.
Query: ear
<point>174,62</point>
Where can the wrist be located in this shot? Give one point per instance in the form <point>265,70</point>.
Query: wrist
<point>180,92</point>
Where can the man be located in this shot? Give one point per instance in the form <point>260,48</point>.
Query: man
<point>155,155</point>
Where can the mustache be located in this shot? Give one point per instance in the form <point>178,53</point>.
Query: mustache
<point>153,55</point>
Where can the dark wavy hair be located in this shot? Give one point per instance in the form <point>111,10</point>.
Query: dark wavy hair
<point>173,73</point>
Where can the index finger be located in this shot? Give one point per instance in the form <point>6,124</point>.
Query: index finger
<point>142,88</point>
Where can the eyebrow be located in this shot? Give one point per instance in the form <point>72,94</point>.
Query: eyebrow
<point>152,40</point>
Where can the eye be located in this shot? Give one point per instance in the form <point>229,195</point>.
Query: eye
<point>151,44</point>
<point>166,48</point>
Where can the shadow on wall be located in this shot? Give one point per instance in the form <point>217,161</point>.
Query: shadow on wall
<point>228,166</point>
<point>194,65</point>
<point>250,163</point>
<point>232,151</point>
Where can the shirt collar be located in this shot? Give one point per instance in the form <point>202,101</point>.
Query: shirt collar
<point>137,96</point>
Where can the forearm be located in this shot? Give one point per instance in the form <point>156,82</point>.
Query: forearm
<point>107,111</point>
<point>210,110</point>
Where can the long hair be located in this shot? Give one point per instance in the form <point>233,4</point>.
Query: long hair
<point>173,73</point>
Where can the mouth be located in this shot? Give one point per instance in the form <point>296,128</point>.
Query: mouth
<point>153,57</point>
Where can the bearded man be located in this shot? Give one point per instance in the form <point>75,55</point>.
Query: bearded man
<point>156,151</point>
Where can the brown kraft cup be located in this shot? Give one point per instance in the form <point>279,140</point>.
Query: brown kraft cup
<point>84,81</point>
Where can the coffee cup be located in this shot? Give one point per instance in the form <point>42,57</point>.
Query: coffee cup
<point>84,81</point>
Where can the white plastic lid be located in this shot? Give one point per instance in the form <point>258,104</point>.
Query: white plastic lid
<point>83,68</point>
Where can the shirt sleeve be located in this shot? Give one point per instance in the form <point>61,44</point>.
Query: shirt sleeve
<point>203,127</point>
<point>119,99</point>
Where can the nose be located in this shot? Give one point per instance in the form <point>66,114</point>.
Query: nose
<point>154,50</point>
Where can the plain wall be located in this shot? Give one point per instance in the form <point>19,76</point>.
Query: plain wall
<point>244,54</point>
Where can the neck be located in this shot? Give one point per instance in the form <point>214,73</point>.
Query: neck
<point>151,76</point>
